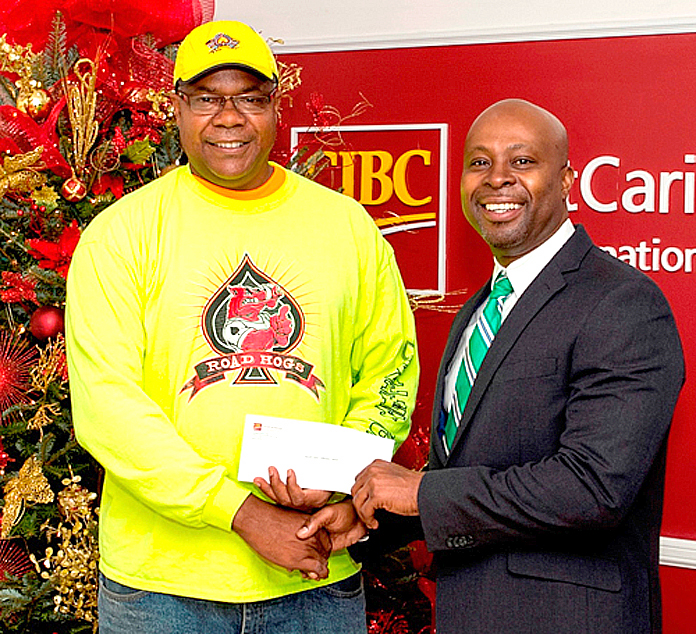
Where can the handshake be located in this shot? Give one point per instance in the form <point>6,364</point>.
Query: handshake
<point>301,530</point>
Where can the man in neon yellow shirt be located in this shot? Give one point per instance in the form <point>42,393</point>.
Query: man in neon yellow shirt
<point>228,287</point>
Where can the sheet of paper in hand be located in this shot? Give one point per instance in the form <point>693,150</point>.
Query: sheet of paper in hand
<point>323,456</point>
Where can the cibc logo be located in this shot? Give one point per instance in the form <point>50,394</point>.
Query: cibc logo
<point>399,173</point>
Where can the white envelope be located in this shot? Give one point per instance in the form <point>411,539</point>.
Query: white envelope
<point>323,456</point>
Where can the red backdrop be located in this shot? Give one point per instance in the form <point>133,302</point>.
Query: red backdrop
<point>629,100</point>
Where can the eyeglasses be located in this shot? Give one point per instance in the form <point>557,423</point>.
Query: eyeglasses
<point>207,104</point>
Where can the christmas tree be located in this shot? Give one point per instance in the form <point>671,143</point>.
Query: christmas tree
<point>78,129</point>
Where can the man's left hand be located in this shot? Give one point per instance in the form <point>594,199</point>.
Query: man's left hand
<point>340,521</point>
<point>388,486</point>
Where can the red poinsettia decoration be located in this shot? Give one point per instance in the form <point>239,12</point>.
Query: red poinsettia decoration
<point>56,255</point>
<point>166,21</point>
<point>108,182</point>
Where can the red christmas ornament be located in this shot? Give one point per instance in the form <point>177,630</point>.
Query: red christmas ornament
<point>47,322</point>
<point>73,190</point>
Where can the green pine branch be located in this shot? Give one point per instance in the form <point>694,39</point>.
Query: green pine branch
<point>55,62</point>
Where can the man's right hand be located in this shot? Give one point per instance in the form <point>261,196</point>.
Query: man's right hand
<point>271,531</point>
<point>290,494</point>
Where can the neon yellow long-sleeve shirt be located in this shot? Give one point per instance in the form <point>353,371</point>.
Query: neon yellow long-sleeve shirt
<point>190,307</point>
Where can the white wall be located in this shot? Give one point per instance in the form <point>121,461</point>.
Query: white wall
<point>323,25</point>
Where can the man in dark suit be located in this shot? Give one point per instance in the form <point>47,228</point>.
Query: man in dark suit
<point>543,497</point>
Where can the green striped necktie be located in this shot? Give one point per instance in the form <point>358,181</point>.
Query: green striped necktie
<point>480,340</point>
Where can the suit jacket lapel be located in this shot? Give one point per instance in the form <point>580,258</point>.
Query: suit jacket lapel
<point>549,282</point>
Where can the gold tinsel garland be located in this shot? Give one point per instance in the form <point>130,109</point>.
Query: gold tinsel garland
<point>49,370</point>
<point>437,302</point>
<point>72,567</point>
<point>289,79</point>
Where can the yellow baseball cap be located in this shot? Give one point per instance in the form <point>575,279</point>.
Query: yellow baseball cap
<point>223,43</point>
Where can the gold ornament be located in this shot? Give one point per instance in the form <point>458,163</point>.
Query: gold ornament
<point>29,487</point>
<point>161,104</point>
<point>50,367</point>
<point>82,110</point>
<point>329,134</point>
<point>19,60</point>
<point>310,166</point>
<point>105,157</point>
<point>36,103</point>
<point>16,59</point>
<point>288,79</point>
<point>19,172</point>
<point>44,415</point>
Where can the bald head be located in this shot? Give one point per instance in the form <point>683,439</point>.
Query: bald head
<point>546,124</point>
<point>516,177</point>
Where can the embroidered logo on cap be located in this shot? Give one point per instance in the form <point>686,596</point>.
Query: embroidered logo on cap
<point>221,40</point>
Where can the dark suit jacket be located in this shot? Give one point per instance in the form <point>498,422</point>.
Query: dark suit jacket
<point>545,517</point>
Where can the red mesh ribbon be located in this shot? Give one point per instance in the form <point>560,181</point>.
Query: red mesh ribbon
<point>168,22</point>
<point>150,68</point>
<point>20,134</point>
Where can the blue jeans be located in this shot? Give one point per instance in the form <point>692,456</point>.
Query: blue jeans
<point>338,608</point>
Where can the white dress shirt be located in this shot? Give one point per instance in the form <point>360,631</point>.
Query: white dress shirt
<point>521,273</point>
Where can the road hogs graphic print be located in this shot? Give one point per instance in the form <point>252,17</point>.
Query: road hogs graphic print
<point>252,322</point>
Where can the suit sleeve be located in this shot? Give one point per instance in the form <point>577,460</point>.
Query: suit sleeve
<point>624,372</point>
